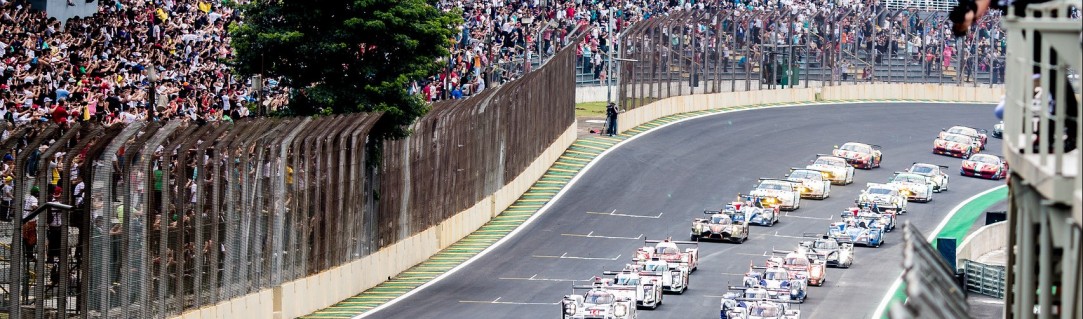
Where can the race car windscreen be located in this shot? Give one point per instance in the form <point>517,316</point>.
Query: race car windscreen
<point>855,148</point>
<point>666,250</point>
<point>830,161</point>
<point>908,179</point>
<point>963,131</point>
<point>627,281</point>
<point>921,169</point>
<point>765,311</point>
<point>796,261</point>
<point>805,175</point>
<point>957,138</point>
<point>984,159</point>
<point>825,244</point>
<point>721,220</point>
<point>776,275</point>
<point>881,191</point>
<point>599,298</point>
<point>771,186</point>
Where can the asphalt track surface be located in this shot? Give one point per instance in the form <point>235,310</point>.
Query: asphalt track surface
<point>653,186</point>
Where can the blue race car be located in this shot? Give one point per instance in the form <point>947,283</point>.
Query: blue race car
<point>858,231</point>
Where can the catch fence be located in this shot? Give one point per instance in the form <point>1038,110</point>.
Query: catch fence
<point>172,216</point>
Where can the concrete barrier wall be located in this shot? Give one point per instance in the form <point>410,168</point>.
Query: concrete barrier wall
<point>594,93</point>
<point>877,91</point>
<point>306,295</point>
<point>986,239</point>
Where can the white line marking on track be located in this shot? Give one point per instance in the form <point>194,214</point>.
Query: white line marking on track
<point>592,235</point>
<point>787,214</point>
<point>786,236</point>
<point>565,256</point>
<point>754,255</point>
<point>498,302</point>
<point>614,213</point>
<point>535,278</point>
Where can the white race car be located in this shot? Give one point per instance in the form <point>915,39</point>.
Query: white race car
<point>814,183</point>
<point>915,187</point>
<point>673,278</point>
<point>756,303</point>
<point>839,172</point>
<point>668,251</point>
<point>784,190</point>
<point>883,195</point>
<point>936,172</point>
<point>978,137</point>
<point>645,289</point>
<point>597,302</point>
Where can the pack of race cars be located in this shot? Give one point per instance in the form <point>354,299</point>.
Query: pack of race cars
<point>770,290</point>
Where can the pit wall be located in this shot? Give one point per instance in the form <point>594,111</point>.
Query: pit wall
<point>987,239</point>
<point>868,92</point>
<point>304,296</point>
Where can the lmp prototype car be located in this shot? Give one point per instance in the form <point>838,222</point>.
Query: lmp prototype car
<point>935,172</point>
<point>886,195</point>
<point>878,218</point>
<point>763,211</point>
<point>729,224</point>
<point>984,166</point>
<point>998,130</point>
<point>814,183</point>
<point>977,136</point>
<point>778,282</point>
<point>673,278</point>
<point>643,287</point>
<point>954,145</point>
<point>860,155</point>
<point>915,187</point>
<point>597,302</point>
<point>755,304</point>
<point>786,191</point>
<point>835,251</point>
<point>856,232</point>
<point>838,171</point>
<point>668,251</point>
<point>800,264</point>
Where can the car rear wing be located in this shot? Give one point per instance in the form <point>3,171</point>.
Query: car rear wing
<point>807,169</point>
<point>767,299</point>
<point>938,165</point>
<point>815,235</point>
<point>778,180</point>
<point>711,212</point>
<point>678,242</point>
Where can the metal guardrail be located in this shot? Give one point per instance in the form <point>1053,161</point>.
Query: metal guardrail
<point>931,287</point>
<point>985,279</point>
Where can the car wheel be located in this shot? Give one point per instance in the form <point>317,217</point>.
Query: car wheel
<point>694,238</point>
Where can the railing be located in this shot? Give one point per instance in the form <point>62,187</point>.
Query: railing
<point>932,5</point>
<point>985,279</point>
<point>931,287</point>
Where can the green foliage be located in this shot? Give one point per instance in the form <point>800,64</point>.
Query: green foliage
<point>344,56</point>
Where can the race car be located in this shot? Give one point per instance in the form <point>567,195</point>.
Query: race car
<point>674,278</point>
<point>835,251</point>
<point>814,183</point>
<point>645,289</point>
<point>763,211</point>
<point>729,224</point>
<point>668,251</point>
<point>998,130</point>
<point>977,136</point>
<point>783,190</point>
<point>883,195</point>
<point>915,187</point>
<point>985,166</point>
<point>777,279</point>
<point>883,219</point>
<point>935,172</point>
<point>838,171</point>
<point>860,155</point>
<point>755,304</point>
<point>800,264</point>
<point>954,145</point>
<point>857,232</point>
<point>597,302</point>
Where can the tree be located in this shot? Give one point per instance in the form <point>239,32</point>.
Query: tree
<point>343,56</point>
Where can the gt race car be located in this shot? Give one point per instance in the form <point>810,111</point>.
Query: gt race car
<point>786,191</point>
<point>838,171</point>
<point>885,195</point>
<point>978,137</point>
<point>814,183</point>
<point>860,155</point>
<point>954,145</point>
<point>935,172</point>
<point>985,166</point>
<point>915,187</point>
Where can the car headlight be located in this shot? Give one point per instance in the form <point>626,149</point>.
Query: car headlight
<point>620,310</point>
<point>569,309</point>
<point>793,291</point>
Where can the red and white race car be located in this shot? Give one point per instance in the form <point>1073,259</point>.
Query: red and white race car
<point>860,155</point>
<point>668,251</point>
<point>984,166</point>
<point>977,136</point>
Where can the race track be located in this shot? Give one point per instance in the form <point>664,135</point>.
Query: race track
<point>653,186</point>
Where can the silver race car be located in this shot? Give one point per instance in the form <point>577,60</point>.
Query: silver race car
<point>935,172</point>
<point>729,224</point>
<point>883,195</point>
<point>814,183</point>
<point>597,302</point>
<point>784,190</point>
<point>645,288</point>
<point>835,251</point>
<point>838,171</point>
